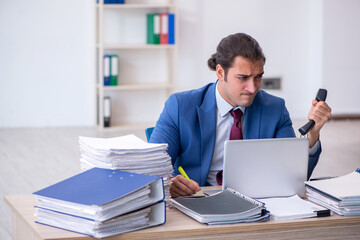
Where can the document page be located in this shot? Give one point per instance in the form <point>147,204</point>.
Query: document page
<point>293,207</point>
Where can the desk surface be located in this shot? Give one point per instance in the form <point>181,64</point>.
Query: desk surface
<point>180,226</point>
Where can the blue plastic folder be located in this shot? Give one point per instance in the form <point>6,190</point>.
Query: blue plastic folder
<point>171,32</point>
<point>106,69</point>
<point>101,194</point>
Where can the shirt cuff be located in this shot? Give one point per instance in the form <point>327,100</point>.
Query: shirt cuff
<point>314,149</point>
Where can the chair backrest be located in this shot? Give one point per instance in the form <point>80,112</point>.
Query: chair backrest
<point>148,132</point>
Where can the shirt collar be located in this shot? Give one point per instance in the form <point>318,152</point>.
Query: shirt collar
<point>222,105</point>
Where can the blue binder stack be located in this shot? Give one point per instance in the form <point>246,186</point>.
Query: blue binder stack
<point>102,202</point>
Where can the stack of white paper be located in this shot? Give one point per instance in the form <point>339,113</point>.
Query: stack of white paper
<point>127,153</point>
<point>285,208</point>
<point>340,194</point>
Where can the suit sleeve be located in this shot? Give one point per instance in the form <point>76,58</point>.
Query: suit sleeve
<point>285,129</point>
<point>167,128</point>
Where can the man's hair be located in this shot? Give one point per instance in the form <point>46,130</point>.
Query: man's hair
<point>238,44</point>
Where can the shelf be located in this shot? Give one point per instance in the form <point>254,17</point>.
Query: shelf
<point>136,5</point>
<point>146,72</point>
<point>135,46</point>
<point>136,86</point>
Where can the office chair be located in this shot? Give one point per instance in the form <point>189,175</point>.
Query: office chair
<point>148,132</point>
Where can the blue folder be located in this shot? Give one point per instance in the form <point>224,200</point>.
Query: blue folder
<point>103,193</point>
<point>106,69</point>
<point>171,33</point>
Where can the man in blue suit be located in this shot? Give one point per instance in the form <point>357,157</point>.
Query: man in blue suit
<point>196,123</point>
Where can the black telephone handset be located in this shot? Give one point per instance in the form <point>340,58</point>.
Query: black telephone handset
<point>320,96</point>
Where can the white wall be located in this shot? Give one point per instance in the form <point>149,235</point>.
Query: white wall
<point>288,31</point>
<point>47,60</point>
<point>47,63</point>
<point>341,50</point>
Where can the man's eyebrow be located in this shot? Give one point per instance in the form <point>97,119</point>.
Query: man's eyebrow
<point>243,75</point>
<point>246,75</point>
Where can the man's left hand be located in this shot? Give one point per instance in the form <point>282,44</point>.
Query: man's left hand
<point>320,112</point>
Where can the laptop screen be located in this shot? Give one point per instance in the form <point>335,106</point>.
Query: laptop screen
<point>264,168</point>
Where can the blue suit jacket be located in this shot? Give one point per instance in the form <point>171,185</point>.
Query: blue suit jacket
<point>188,125</point>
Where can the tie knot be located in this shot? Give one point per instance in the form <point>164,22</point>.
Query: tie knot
<point>236,114</point>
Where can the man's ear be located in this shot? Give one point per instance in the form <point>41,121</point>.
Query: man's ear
<point>220,72</point>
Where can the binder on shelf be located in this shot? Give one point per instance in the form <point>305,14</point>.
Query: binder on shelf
<point>114,1</point>
<point>101,194</point>
<point>224,207</point>
<point>153,215</point>
<point>164,28</point>
<point>107,111</point>
<point>153,28</point>
<point>171,32</point>
<point>114,70</point>
<point>106,70</point>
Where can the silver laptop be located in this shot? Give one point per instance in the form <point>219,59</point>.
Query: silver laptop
<point>266,167</point>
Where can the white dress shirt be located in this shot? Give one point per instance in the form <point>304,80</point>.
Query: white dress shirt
<point>224,122</point>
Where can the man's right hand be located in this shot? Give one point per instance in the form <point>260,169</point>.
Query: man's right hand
<point>180,186</point>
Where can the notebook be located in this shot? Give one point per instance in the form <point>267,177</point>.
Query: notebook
<point>264,168</point>
<point>224,207</point>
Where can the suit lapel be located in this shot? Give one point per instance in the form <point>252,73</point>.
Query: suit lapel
<point>207,121</point>
<point>253,120</point>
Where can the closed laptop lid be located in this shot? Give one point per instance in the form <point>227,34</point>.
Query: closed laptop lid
<point>264,168</point>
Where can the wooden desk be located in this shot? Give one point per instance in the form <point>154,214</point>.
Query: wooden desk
<point>180,226</point>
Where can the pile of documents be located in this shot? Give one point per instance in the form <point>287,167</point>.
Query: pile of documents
<point>340,194</point>
<point>127,153</point>
<point>225,207</point>
<point>293,207</point>
<point>102,202</point>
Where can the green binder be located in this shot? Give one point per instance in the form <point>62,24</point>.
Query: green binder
<point>114,70</point>
<point>153,28</point>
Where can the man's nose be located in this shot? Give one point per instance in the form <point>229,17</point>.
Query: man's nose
<point>251,86</point>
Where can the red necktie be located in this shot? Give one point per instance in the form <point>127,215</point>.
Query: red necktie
<point>236,131</point>
<point>235,134</point>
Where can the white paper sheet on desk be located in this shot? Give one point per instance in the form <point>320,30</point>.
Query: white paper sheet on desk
<point>293,207</point>
<point>344,188</point>
<point>127,153</point>
<point>121,144</point>
<point>141,168</point>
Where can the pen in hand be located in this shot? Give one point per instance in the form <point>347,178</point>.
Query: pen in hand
<point>181,170</point>
<point>183,173</point>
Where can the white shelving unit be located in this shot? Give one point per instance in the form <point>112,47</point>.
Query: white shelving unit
<point>147,73</point>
